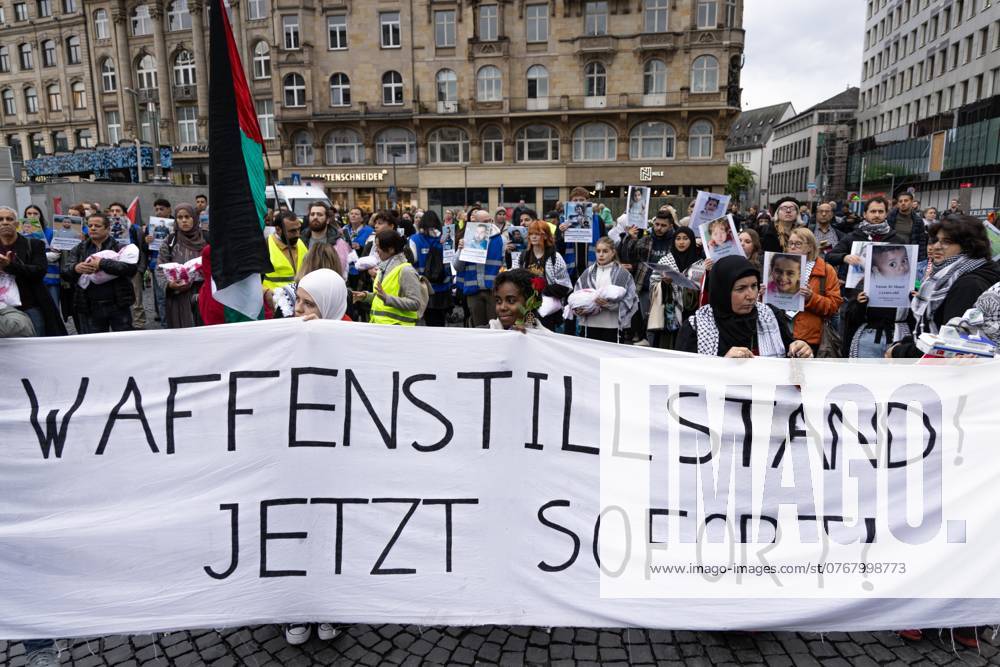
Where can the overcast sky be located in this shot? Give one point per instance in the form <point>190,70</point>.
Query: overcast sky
<point>803,51</point>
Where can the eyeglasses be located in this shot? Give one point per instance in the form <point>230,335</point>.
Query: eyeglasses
<point>797,244</point>
<point>788,208</point>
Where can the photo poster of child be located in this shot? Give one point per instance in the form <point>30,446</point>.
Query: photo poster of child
<point>31,229</point>
<point>580,217</point>
<point>203,222</point>
<point>518,237</point>
<point>856,272</point>
<point>159,229</point>
<point>890,275</point>
<point>119,229</point>
<point>994,235</point>
<point>448,243</point>
<point>719,239</point>
<point>67,232</point>
<point>477,242</point>
<point>708,206</point>
<point>783,273</point>
<point>638,206</point>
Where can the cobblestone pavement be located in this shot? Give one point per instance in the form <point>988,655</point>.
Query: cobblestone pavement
<point>490,645</point>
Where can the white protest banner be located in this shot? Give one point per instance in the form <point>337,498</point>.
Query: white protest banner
<point>271,478</point>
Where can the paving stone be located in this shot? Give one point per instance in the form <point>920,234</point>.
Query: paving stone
<point>822,649</point>
<point>489,651</point>
<point>464,656</point>
<point>535,654</point>
<point>585,652</point>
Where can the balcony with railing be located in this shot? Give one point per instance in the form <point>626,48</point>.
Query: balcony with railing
<point>188,93</point>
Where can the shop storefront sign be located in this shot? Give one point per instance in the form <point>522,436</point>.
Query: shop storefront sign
<point>352,176</point>
<point>646,174</point>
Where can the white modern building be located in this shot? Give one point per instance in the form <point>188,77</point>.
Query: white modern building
<point>747,144</point>
<point>808,152</point>
<point>923,58</point>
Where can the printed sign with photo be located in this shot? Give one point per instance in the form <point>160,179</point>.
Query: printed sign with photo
<point>580,217</point>
<point>203,221</point>
<point>67,232</point>
<point>638,206</point>
<point>448,243</point>
<point>518,237</point>
<point>120,229</point>
<point>890,274</point>
<point>31,229</point>
<point>159,229</point>
<point>855,272</point>
<point>720,239</point>
<point>477,242</point>
<point>784,275</point>
<point>708,206</point>
<point>994,235</point>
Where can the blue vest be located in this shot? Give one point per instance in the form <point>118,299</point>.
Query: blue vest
<point>424,245</point>
<point>478,277</point>
<point>53,269</point>
<point>361,238</point>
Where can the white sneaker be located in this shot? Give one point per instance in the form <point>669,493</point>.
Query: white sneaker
<point>326,631</point>
<point>642,343</point>
<point>297,634</point>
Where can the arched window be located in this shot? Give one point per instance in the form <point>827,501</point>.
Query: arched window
<point>447,145</point>
<point>295,90</point>
<point>537,143</point>
<point>54,97</point>
<point>447,86</point>
<point>489,84</point>
<point>538,82</point>
<point>654,77</point>
<point>705,75</point>
<point>178,17</point>
<point>594,141</point>
<point>48,53</point>
<point>595,80</point>
<point>492,144</point>
<point>340,90</point>
<point>142,23</point>
<point>262,61</point>
<point>146,72</point>
<point>344,147</point>
<point>31,99</point>
<point>27,61</point>
<point>652,140</point>
<point>9,104</point>
<point>392,88</point>
<point>102,29</point>
<point>73,50</point>
<point>184,74</point>
<point>396,141</point>
<point>302,142</point>
<point>79,92</point>
<point>109,77</point>
<point>700,140</point>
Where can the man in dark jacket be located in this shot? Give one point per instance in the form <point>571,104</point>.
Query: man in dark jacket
<point>24,259</point>
<point>635,251</point>
<point>874,228</point>
<point>907,223</point>
<point>104,307</point>
<point>137,238</point>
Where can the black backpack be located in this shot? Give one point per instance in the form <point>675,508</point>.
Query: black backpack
<point>434,266</point>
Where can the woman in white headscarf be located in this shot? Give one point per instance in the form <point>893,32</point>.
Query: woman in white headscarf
<point>321,295</point>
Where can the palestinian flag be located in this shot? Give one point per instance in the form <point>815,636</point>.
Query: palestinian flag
<point>235,179</point>
<point>133,213</point>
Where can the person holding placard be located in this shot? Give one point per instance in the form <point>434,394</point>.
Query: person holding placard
<point>786,218</point>
<point>873,229</point>
<point>637,250</point>
<point>784,273</point>
<point>183,245</point>
<point>106,306</point>
<point>734,324</point>
<point>820,292</point>
<point>671,304</point>
<point>22,268</point>
<point>156,231</point>
<point>577,233</point>
<point>475,279</point>
<point>962,272</point>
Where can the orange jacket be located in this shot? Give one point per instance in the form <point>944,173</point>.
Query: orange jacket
<point>821,306</point>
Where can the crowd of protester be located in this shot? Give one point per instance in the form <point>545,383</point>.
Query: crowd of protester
<point>389,268</point>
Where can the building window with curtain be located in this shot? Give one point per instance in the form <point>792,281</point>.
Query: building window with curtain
<point>340,90</point>
<point>142,23</point>
<point>114,123</point>
<point>489,84</point>
<point>700,141</point>
<point>705,75</point>
<point>537,143</point>
<point>448,145</point>
<point>344,147</point>
<point>102,28</point>
<point>73,50</point>
<point>265,118</point>
<point>398,143</point>
<point>262,60</point>
<point>79,92</point>
<point>290,30</point>
<point>178,16</point>
<point>109,77</point>
<point>595,142</point>
<point>302,144</point>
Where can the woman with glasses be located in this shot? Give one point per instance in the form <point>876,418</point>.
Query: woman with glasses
<point>821,293</point>
<point>961,270</point>
<point>774,238</point>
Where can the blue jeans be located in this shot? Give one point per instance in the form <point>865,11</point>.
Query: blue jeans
<point>55,293</point>
<point>37,319</point>
<point>872,344</point>
<point>106,316</point>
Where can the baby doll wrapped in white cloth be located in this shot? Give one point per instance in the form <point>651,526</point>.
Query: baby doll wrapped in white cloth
<point>129,255</point>
<point>586,299</point>
<point>183,274</point>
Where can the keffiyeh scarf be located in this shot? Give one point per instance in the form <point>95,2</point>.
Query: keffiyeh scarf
<point>874,230</point>
<point>769,341</point>
<point>936,287</point>
<point>988,304</point>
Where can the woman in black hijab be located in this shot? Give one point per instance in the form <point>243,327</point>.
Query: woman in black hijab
<point>691,252</point>
<point>734,324</point>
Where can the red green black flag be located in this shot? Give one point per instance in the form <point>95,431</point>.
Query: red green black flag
<point>235,178</point>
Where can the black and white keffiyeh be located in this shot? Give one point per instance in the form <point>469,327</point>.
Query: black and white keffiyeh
<point>936,287</point>
<point>988,304</point>
<point>769,342</point>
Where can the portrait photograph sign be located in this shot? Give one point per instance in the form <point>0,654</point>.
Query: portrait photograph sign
<point>67,232</point>
<point>720,239</point>
<point>708,206</point>
<point>856,272</point>
<point>159,229</point>
<point>580,217</point>
<point>890,275</point>
<point>448,243</point>
<point>477,242</point>
<point>638,206</point>
<point>783,274</point>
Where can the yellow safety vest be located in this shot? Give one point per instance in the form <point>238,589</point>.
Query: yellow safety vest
<point>382,313</point>
<point>282,271</point>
